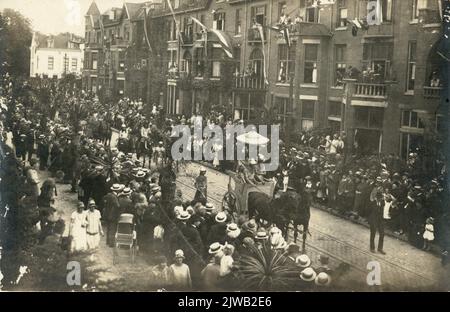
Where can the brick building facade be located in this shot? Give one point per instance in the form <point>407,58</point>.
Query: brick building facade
<point>387,103</point>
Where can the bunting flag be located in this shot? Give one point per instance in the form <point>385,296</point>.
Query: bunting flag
<point>180,38</point>
<point>226,45</point>
<point>205,32</point>
<point>224,42</point>
<point>261,33</point>
<point>145,30</point>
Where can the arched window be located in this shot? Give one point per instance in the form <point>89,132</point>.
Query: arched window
<point>186,65</point>
<point>257,63</point>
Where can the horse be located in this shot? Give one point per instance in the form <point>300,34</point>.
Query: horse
<point>280,211</point>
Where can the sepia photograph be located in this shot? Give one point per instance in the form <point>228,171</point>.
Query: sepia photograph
<point>224,146</point>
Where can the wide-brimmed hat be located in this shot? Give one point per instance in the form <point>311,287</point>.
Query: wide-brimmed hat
<point>322,279</point>
<point>179,254</point>
<point>116,188</point>
<point>209,206</point>
<point>184,215</point>
<point>139,174</point>
<point>202,169</point>
<point>233,230</point>
<point>126,191</point>
<point>215,248</point>
<point>261,235</point>
<point>303,261</point>
<point>308,275</point>
<point>221,217</point>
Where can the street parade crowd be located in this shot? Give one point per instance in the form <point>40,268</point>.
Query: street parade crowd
<point>191,243</point>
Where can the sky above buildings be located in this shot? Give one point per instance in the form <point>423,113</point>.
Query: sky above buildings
<point>56,16</point>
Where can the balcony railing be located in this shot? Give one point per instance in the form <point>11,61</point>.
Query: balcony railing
<point>249,83</point>
<point>432,92</point>
<point>370,90</point>
<point>255,36</point>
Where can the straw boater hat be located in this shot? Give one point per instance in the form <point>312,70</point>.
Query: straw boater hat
<point>308,275</point>
<point>91,203</point>
<point>202,169</point>
<point>116,188</point>
<point>209,207</point>
<point>215,248</point>
<point>233,230</point>
<point>221,217</point>
<point>322,279</point>
<point>139,174</point>
<point>261,235</point>
<point>303,261</point>
<point>184,215</point>
<point>253,162</point>
<point>126,191</point>
<point>179,254</point>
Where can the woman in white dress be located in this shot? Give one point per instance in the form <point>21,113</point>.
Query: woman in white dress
<point>78,229</point>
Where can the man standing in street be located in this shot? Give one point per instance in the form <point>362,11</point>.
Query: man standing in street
<point>111,208</point>
<point>376,222</point>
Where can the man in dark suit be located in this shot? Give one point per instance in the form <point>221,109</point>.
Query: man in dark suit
<point>111,209</point>
<point>376,222</point>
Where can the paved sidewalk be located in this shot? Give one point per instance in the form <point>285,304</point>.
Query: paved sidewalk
<point>403,268</point>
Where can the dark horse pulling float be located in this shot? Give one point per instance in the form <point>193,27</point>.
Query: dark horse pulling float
<point>261,203</point>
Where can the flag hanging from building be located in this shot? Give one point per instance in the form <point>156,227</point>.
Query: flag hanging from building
<point>180,38</point>
<point>224,42</point>
<point>205,33</point>
<point>146,31</point>
<point>261,34</point>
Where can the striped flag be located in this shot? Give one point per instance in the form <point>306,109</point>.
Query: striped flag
<point>145,30</point>
<point>224,42</point>
<point>226,45</point>
<point>205,31</point>
<point>261,33</point>
<point>175,20</point>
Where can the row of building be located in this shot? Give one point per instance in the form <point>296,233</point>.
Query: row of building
<point>380,83</point>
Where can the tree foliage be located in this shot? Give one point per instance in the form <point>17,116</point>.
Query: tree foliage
<point>15,41</point>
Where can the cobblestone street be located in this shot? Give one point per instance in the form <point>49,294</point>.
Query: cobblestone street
<point>403,268</point>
